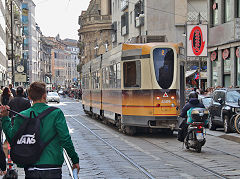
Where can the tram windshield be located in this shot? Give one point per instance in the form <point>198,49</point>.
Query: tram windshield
<point>164,66</point>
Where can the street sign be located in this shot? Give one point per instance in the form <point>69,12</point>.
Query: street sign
<point>197,40</point>
<point>19,77</point>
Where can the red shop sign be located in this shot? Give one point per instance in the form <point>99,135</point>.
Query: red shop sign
<point>237,53</point>
<point>213,56</point>
<point>225,54</point>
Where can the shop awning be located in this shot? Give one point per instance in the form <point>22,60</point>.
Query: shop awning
<point>189,73</point>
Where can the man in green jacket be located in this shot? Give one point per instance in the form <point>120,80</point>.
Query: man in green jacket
<point>51,160</point>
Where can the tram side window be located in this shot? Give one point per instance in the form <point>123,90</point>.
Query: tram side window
<point>106,77</point>
<point>98,80</point>
<point>132,74</point>
<point>83,82</point>
<point>86,82</point>
<point>94,80</point>
<point>118,75</point>
<point>112,76</point>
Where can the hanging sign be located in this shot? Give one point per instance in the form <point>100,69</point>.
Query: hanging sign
<point>225,54</point>
<point>213,56</point>
<point>197,40</point>
<point>237,53</point>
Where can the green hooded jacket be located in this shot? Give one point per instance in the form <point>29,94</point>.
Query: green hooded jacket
<point>53,123</point>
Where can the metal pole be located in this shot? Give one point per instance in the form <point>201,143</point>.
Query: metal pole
<point>200,72</point>
<point>12,55</point>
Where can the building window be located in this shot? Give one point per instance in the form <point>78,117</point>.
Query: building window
<point>238,69</point>
<point>214,73</point>
<point>238,8</point>
<point>227,10</point>
<point>214,12</point>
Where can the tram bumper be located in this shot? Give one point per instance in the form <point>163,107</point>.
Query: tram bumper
<point>166,122</point>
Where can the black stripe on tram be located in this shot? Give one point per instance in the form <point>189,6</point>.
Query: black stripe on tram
<point>136,57</point>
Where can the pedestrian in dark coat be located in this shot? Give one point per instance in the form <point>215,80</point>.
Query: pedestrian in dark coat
<point>19,103</point>
<point>6,96</point>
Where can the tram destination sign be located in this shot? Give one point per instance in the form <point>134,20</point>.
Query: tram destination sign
<point>197,40</point>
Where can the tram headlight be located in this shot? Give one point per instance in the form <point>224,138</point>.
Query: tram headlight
<point>173,105</point>
<point>158,97</point>
<point>172,97</point>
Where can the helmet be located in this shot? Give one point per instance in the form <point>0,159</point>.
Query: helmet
<point>193,95</point>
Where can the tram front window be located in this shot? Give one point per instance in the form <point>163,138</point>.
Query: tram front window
<point>164,66</point>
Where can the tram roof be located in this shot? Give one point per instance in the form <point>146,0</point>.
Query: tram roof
<point>146,48</point>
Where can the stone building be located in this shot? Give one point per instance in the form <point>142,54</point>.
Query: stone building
<point>72,74</point>
<point>144,21</point>
<point>95,30</point>
<point>45,65</point>
<point>224,42</point>
<point>30,42</point>
<point>11,35</point>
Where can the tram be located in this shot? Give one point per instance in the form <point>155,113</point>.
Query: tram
<point>135,86</point>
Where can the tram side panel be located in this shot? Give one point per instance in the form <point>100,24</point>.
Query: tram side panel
<point>111,91</point>
<point>86,93</point>
<point>137,94</point>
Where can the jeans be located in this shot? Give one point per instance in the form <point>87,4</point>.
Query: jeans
<point>43,174</point>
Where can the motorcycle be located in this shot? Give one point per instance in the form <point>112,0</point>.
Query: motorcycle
<point>196,133</point>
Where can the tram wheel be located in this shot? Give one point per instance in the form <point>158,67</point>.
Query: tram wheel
<point>130,130</point>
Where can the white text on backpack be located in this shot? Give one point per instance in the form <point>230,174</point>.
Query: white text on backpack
<point>27,139</point>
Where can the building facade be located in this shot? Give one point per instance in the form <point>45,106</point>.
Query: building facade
<point>30,43</point>
<point>45,62</point>
<point>95,30</point>
<point>224,42</point>
<point>3,42</point>
<point>72,73</point>
<point>13,39</point>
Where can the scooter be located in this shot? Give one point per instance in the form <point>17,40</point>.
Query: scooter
<point>196,135</point>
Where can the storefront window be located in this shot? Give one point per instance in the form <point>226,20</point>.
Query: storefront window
<point>227,11</point>
<point>238,8</point>
<point>227,65</point>
<point>214,73</point>
<point>227,81</point>
<point>238,71</point>
<point>215,12</point>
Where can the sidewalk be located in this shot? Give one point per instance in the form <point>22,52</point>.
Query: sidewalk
<point>220,133</point>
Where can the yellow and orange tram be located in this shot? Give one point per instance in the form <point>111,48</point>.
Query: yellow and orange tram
<point>134,85</point>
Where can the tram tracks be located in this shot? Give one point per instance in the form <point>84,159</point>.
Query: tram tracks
<point>141,169</point>
<point>187,160</point>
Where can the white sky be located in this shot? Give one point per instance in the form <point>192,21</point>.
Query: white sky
<point>59,17</point>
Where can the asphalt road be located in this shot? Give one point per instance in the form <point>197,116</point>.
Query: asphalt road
<point>105,152</point>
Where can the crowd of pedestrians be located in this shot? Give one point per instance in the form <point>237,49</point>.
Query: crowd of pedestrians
<point>54,124</point>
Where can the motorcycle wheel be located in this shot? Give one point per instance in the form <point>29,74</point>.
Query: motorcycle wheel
<point>186,145</point>
<point>199,149</point>
<point>237,124</point>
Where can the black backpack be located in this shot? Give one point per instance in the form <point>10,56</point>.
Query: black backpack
<point>26,145</point>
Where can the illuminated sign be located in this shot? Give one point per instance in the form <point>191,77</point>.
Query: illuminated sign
<point>197,40</point>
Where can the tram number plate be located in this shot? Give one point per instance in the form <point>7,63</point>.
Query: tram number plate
<point>199,136</point>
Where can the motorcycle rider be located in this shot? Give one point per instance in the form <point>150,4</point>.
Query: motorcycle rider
<point>193,103</point>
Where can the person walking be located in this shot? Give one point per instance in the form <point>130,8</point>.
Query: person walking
<point>19,103</point>
<point>12,90</point>
<point>51,160</point>
<point>6,96</point>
